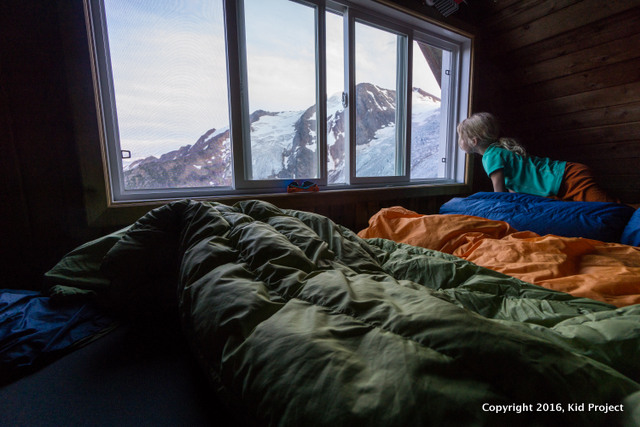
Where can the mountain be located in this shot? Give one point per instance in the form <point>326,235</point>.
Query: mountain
<point>204,164</point>
<point>425,136</point>
<point>283,145</point>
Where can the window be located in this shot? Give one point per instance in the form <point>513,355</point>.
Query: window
<point>228,97</point>
<point>281,81</point>
<point>428,110</point>
<point>379,89</point>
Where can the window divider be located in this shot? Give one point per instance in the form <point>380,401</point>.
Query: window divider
<point>321,93</point>
<point>403,106</point>
<point>349,87</point>
<point>234,49</point>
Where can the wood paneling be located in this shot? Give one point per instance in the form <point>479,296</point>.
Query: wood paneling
<point>564,77</point>
<point>14,213</point>
<point>43,200</point>
<point>544,20</point>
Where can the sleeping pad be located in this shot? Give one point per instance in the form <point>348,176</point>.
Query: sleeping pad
<point>296,321</point>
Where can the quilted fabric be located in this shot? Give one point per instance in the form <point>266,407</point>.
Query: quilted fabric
<point>298,321</point>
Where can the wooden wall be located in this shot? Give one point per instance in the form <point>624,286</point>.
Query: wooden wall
<point>564,76</point>
<point>41,203</point>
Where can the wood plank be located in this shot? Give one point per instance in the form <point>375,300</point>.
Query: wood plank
<point>599,78</point>
<point>606,160</point>
<point>622,180</point>
<point>615,27</point>
<point>36,89</point>
<point>582,101</point>
<point>616,114</point>
<point>627,196</point>
<point>594,150</point>
<point>520,13</point>
<point>15,227</point>
<point>570,18</point>
<point>337,213</point>
<point>621,190</point>
<point>629,131</point>
<point>580,60</point>
<point>616,185</point>
<point>603,166</point>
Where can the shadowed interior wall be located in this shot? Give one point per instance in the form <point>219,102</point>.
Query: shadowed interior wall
<point>564,77</point>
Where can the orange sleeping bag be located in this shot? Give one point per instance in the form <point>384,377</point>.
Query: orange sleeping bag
<point>608,272</point>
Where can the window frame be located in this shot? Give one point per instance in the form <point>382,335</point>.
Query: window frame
<point>448,128</point>
<point>403,83</point>
<point>353,10</point>
<point>242,167</point>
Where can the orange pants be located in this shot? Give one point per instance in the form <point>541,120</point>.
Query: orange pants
<point>579,185</point>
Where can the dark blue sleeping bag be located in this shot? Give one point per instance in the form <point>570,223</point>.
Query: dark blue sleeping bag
<point>594,220</point>
<point>631,233</point>
<point>33,330</point>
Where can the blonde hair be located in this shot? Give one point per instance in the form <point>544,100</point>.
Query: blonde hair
<point>486,129</point>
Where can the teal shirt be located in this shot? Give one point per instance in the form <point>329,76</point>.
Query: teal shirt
<point>539,176</point>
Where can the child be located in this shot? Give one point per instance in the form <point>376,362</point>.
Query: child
<point>511,169</point>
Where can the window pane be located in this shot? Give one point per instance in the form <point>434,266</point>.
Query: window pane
<point>281,69</point>
<point>376,53</point>
<point>169,76</point>
<point>335,110</point>
<point>427,143</point>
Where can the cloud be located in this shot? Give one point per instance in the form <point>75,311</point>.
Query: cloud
<point>170,81</point>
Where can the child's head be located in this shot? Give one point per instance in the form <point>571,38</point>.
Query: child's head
<point>480,130</point>
<point>481,127</point>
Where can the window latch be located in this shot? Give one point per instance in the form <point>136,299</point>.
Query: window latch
<point>345,99</point>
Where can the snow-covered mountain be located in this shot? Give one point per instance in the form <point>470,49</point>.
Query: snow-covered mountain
<point>425,135</point>
<point>207,163</point>
<point>283,145</point>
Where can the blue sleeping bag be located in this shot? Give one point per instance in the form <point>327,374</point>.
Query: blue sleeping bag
<point>631,233</point>
<point>33,330</point>
<point>593,220</point>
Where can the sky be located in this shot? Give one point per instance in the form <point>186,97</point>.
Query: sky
<point>169,70</point>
